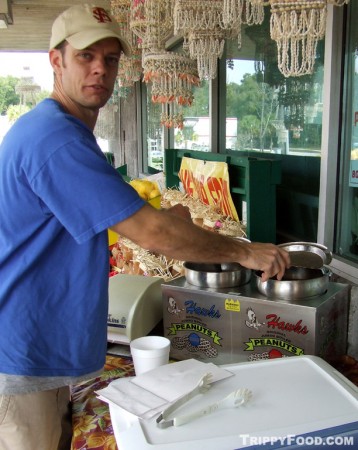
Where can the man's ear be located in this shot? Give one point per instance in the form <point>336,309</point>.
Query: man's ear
<point>55,57</point>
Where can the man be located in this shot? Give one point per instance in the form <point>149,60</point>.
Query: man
<point>58,197</point>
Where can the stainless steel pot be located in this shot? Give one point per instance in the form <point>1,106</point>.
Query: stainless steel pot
<point>297,283</point>
<point>216,276</point>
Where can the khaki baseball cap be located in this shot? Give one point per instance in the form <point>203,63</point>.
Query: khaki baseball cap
<point>83,25</point>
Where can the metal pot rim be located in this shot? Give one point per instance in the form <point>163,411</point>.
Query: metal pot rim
<point>309,249</point>
<point>294,289</point>
<point>216,279</point>
<point>192,266</point>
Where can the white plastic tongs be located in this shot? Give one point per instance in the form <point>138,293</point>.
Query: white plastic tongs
<point>236,398</point>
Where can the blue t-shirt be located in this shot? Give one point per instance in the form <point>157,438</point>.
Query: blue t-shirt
<point>58,196</point>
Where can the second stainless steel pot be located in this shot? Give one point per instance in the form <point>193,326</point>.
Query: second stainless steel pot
<point>297,283</point>
<point>216,275</point>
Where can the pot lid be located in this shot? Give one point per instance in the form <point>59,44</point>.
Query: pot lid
<point>307,254</point>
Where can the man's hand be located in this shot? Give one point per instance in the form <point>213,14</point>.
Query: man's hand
<point>268,258</point>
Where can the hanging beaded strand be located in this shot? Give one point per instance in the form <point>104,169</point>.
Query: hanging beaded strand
<point>296,26</point>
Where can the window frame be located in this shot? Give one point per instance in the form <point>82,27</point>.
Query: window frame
<point>332,142</point>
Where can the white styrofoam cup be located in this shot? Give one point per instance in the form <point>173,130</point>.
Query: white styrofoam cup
<point>149,352</point>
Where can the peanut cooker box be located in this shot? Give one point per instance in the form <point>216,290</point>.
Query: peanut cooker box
<point>240,324</point>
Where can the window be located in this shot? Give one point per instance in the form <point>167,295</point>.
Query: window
<point>347,226</point>
<point>195,134</point>
<point>155,138</point>
<point>257,109</point>
<point>265,111</point>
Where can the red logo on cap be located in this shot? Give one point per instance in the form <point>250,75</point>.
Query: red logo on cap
<point>101,15</point>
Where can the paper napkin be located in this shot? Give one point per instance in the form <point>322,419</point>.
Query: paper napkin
<point>148,394</point>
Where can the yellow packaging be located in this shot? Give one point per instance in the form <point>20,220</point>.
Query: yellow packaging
<point>155,201</point>
<point>112,237</point>
<point>209,182</point>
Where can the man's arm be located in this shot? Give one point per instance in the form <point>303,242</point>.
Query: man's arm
<point>171,234</point>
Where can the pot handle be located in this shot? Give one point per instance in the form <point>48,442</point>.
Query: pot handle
<point>327,271</point>
<point>328,254</point>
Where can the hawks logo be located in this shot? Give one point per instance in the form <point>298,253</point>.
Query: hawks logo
<point>101,15</point>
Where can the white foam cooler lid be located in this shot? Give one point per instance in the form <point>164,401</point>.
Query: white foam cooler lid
<point>291,396</point>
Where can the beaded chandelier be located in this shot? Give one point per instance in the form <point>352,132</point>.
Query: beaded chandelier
<point>201,24</point>
<point>297,26</point>
<point>106,122</point>
<point>130,67</point>
<point>238,12</point>
<point>253,12</point>
<point>173,77</point>
<point>206,46</point>
<point>152,22</point>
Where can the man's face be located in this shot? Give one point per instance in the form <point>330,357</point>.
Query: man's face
<point>88,76</point>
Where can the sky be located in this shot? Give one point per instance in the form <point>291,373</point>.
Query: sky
<point>241,67</point>
<point>34,65</point>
